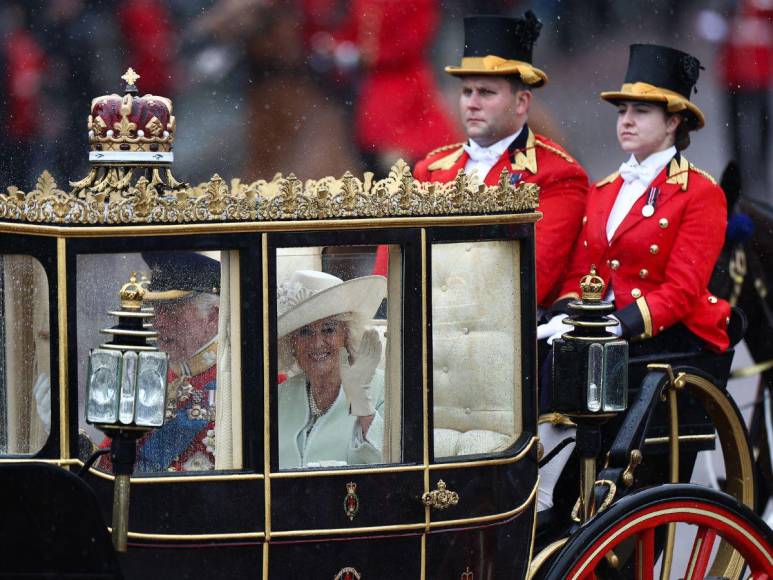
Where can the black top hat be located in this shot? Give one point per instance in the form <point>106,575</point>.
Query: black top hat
<point>179,275</point>
<point>499,45</point>
<point>661,74</point>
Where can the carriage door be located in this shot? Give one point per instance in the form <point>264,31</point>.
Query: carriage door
<point>345,397</point>
<point>483,408</point>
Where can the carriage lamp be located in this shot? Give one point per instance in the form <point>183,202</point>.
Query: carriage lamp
<point>590,378</point>
<point>126,393</point>
<point>589,363</point>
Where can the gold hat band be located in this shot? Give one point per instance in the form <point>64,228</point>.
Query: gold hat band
<point>496,65</point>
<point>675,103</point>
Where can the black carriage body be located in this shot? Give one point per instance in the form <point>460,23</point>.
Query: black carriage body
<point>260,521</point>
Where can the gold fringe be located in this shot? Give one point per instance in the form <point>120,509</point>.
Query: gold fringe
<point>703,173</point>
<point>608,179</point>
<point>444,148</point>
<point>555,150</point>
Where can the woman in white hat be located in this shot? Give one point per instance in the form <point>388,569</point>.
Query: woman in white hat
<point>330,411</point>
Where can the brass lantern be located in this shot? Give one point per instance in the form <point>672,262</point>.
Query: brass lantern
<point>126,393</point>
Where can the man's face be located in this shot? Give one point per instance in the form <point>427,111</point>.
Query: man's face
<point>184,327</point>
<point>490,108</point>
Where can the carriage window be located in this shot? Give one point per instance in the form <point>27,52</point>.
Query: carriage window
<point>339,384</point>
<point>475,347</point>
<point>25,350</point>
<point>195,302</point>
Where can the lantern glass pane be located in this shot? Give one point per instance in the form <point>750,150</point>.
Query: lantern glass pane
<point>104,372</point>
<point>595,376</point>
<point>128,384</point>
<point>615,391</point>
<point>151,389</point>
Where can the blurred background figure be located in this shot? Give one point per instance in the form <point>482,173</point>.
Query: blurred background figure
<point>318,87</point>
<point>746,68</point>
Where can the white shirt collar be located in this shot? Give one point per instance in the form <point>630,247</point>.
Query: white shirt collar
<point>495,150</point>
<point>658,160</point>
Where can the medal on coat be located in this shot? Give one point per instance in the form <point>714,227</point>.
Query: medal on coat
<point>649,208</point>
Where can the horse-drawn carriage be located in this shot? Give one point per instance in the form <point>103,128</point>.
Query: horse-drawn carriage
<point>220,490</point>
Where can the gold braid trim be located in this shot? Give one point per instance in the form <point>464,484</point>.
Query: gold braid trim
<point>703,173</point>
<point>555,150</point>
<point>444,148</point>
<point>644,310</point>
<point>608,179</point>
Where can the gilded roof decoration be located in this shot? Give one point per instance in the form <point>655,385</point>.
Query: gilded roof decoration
<point>117,196</point>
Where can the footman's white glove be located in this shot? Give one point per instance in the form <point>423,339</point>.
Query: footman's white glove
<point>42,393</point>
<point>356,377</point>
<point>553,329</point>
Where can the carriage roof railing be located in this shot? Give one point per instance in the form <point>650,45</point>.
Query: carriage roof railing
<point>126,195</point>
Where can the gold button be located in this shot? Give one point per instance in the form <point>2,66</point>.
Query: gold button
<point>663,223</point>
<point>643,273</point>
<point>635,292</point>
<point>713,299</point>
<point>585,243</point>
<point>584,220</point>
<point>614,264</point>
<point>661,328</point>
<point>727,321</point>
<point>654,249</point>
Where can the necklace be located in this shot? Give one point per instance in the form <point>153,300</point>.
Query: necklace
<point>316,412</point>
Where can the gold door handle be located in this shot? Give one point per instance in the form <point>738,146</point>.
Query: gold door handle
<point>440,498</point>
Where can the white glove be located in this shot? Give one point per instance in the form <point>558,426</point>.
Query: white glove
<point>553,328</point>
<point>42,393</point>
<point>356,377</point>
<point>616,330</point>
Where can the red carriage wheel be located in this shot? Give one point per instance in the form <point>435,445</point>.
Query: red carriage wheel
<point>627,540</point>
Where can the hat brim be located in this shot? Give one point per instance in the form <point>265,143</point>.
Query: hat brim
<point>360,296</point>
<point>528,73</point>
<point>674,102</point>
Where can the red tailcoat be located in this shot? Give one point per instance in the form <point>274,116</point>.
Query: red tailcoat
<point>659,266</point>
<point>563,186</point>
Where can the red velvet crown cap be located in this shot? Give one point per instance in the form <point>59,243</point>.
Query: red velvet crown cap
<point>131,129</point>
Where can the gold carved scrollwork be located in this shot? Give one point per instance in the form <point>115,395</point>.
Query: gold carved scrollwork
<point>136,195</point>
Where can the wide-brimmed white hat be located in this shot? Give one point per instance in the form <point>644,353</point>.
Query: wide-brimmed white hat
<point>308,296</point>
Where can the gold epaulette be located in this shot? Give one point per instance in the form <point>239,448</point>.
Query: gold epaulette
<point>608,179</point>
<point>556,150</point>
<point>444,148</point>
<point>449,160</point>
<point>703,173</point>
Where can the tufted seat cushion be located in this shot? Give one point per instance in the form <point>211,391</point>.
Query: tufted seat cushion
<point>476,357</point>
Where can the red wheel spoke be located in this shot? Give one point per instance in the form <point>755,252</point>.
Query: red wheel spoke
<point>701,552</point>
<point>645,554</point>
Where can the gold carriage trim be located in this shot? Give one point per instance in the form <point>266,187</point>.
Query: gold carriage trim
<point>119,197</point>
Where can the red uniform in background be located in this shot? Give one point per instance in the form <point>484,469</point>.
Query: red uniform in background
<point>399,106</point>
<point>563,186</point>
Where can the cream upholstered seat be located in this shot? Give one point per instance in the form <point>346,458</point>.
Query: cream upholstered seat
<point>476,357</point>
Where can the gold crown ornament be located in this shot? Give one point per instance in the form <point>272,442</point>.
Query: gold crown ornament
<point>130,142</point>
<point>592,286</point>
<point>131,129</point>
<point>132,293</point>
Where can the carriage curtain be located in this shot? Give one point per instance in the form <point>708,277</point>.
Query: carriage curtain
<point>26,353</point>
<point>393,392</point>
<point>228,398</point>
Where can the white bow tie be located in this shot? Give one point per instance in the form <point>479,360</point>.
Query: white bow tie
<point>631,172</point>
<point>482,154</point>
